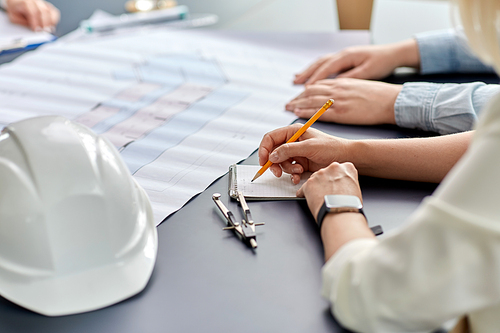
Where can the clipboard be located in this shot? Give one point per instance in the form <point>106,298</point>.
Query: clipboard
<point>15,38</point>
<point>20,45</point>
<point>266,187</point>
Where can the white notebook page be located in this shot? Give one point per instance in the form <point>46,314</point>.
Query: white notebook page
<point>266,186</point>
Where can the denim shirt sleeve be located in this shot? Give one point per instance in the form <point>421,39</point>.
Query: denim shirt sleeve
<point>445,51</point>
<point>442,108</point>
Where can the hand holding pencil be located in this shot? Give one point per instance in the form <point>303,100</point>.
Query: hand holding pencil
<point>296,157</point>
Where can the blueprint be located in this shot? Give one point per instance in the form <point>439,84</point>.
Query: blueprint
<point>180,106</point>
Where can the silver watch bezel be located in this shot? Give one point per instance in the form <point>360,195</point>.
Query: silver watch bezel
<point>339,203</point>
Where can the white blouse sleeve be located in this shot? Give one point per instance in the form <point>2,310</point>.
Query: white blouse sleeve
<point>443,263</point>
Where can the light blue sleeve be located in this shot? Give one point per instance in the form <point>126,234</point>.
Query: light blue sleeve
<point>442,108</point>
<point>445,52</point>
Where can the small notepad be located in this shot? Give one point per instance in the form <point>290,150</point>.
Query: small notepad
<point>266,187</point>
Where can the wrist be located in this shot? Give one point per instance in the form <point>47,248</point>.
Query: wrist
<point>367,157</point>
<point>339,229</point>
<point>355,151</point>
<point>340,221</point>
<point>390,114</point>
<point>338,204</point>
<point>406,54</point>
<point>340,150</point>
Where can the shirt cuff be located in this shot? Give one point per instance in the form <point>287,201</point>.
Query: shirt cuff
<point>3,4</point>
<point>436,50</point>
<point>446,51</point>
<point>333,267</point>
<point>413,107</point>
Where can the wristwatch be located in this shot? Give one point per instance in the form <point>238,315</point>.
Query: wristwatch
<point>339,204</point>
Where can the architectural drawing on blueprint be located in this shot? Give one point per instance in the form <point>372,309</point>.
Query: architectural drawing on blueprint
<point>181,107</point>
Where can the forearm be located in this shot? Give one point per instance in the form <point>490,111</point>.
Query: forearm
<point>415,159</point>
<point>406,53</point>
<point>339,229</point>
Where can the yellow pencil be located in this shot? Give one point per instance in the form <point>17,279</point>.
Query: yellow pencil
<point>297,134</point>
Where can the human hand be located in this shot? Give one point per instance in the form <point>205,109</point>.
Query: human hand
<point>362,62</point>
<point>35,14</point>
<point>314,150</point>
<point>337,178</point>
<point>359,102</point>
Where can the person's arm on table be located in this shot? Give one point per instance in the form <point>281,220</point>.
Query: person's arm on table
<point>432,52</point>
<point>35,14</point>
<point>441,108</point>
<point>415,159</point>
<point>447,108</point>
<point>442,264</point>
<point>336,229</point>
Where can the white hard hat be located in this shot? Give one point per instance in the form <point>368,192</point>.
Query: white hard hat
<point>76,230</point>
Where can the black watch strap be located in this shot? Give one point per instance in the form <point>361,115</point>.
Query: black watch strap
<point>324,210</point>
<point>377,230</point>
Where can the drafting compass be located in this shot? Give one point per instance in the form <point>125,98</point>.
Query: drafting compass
<point>245,230</point>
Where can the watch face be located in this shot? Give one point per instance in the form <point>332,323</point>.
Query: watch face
<point>343,201</point>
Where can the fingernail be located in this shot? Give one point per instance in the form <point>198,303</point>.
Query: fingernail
<point>38,29</point>
<point>296,169</point>
<point>273,157</point>
<point>274,173</point>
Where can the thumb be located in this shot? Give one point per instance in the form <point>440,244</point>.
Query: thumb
<point>17,19</point>
<point>290,150</point>
<point>300,192</point>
